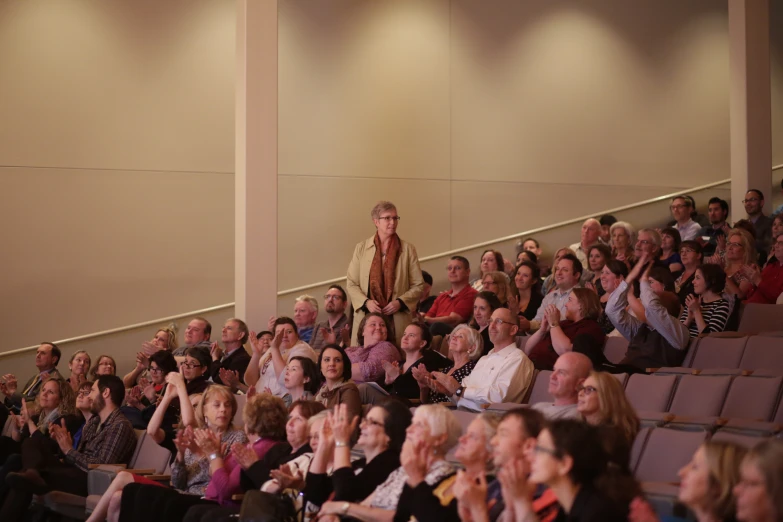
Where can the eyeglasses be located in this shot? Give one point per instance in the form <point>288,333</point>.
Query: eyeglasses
<point>643,242</point>
<point>389,219</point>
<point>499,321</point>
<point>156,370</point>
<point>190,366</point>
<point>687,251</point>
<point>751,200</point>
<point>540,449</point>
<point>677,207</point>
<point>589,390</point>
<point>83,393</point>
<point>734,244</point>
<point>329,297</point>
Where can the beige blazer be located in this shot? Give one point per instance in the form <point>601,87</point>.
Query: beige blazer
<point>408,285</point>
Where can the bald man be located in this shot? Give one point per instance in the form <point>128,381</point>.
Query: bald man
<point>570,371</point>
<point>591,232</point>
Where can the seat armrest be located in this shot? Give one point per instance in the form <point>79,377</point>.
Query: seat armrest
<point>108,467</point>
<point>143,471</point>
<point>159,478</point>
<point>238,497</point>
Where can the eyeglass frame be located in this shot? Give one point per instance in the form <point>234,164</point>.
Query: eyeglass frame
<point>190,366</point>
<point>498,321</point>
<point>396,219</point>
<point>589,390</point>
<point>551,452</point>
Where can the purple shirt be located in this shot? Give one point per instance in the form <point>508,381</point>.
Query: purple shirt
<point>225,481</point>
<point>370,360</point>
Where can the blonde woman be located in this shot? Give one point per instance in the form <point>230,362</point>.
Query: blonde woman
<point>707,481</point>
<point>734,254</point>
<point>759,493</point>
<point>602,403</point>
<point>498,283</point>
<point>465,348</point>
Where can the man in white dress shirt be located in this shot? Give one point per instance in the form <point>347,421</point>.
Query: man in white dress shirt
<point>504,374</point>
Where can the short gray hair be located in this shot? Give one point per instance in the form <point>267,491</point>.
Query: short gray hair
<point>625,226</point>
<point>656,236</point>
<point>382,206</point>
<point>475,341</point>
<point>441,421</point>
<point>306,298</point>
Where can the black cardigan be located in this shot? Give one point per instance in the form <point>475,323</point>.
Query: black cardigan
<point>349,486</point>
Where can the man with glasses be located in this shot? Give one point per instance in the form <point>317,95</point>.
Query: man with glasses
<point>570,371</point>
<point>456,305</point>
<point>681,208</point>
<point>754,206</point>
<point>504,374</point>
<point>336,328</point>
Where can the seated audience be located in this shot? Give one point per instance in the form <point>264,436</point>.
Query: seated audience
<point>606,222</point>
<point>718,211</point>
<point>532,245</point>
<point>173,413</point>
<point>661,340</point>
<point>484,306</point>
<point>661,280</point>
<point>570,461</point>
<point>591,233</point>
<point>737,252</point>
<point>302,380</point>
<point>526,255</point>
<point>613,273</point>
<point>455,305</point>
<point>762,224</point>
<point>197,333</point>
<point>266,369</point>
<point>681,208</point>
<point>767,284</point>
<point>602,403</point>
<point>648,241</point>
<point>706,310</point>
<point>202,470</point>
<point>381,435</point>
<point>164,339</point>
<point>670,250</point>
<point>498,283</point>
<point>707,481</point>
<point>108,438</point>
<point>79,364</point>
<point>527,293</point>
<point>512,448</point>
<point>434,430</point>
<point>305,315</point>
<point>83,406</point>
<point>195,369</point>
<point>234,358</point>
<point>570,371</point>
<point>503,375</point>
<point>474,453</point>
<point>597,257</point>
<point>691,256</point>
<point>105,365</point>
<point>568,273</point>
<point>336,327</point>
<point>426,300</point>
<point>622,243</point>
<point>556,335</point>
<point>367,358</point>
<point>759,493</point>
<point>399,380</point>
<point>464,350</point>
<point>338,388</point>
<point>777,226</point>
<point>491,261</point>
<point>46,358</point>
<point>143,398</point>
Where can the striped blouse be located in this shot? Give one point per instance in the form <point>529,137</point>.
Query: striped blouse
<point>715,314</point>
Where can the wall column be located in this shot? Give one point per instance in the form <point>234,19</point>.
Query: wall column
<point>255,186</point>
<point>751,104</point>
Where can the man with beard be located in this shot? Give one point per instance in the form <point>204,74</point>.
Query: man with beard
<point>107,438</point>
<point>331,330</point>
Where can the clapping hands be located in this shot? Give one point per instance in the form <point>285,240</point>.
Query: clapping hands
<point>244,455</point>
<point>8,384</point>
<point>392,370</point>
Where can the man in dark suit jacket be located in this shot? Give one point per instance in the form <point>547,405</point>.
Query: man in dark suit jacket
<point>234,358</point>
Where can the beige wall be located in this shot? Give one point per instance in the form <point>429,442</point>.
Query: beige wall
<point>479,119</point>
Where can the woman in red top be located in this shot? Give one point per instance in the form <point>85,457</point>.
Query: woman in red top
<point>556,336</point>
<point>767,283</point>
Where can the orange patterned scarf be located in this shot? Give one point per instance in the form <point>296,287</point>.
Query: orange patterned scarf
<point>382,271</point>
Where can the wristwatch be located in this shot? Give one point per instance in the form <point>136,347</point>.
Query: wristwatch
<point>459,391</point>
<point>213,456</point>
<point>344,508</point>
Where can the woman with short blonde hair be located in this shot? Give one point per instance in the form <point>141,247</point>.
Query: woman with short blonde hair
<point>497,282</point>
<point>465,348</point>
<point>707,481</point>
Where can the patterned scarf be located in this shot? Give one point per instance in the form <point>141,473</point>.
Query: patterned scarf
<point>382,272</point>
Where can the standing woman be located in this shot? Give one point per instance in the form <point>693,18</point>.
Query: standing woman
<point>384,275</point>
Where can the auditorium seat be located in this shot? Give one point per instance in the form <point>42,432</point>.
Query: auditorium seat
<point>521,341</point>
<point>621,377</point>
<point>638,446</point>
<point>665,452</point>
<point>761,318</point>
<point>719,352</point>
<point>650,393</point>
<point>540,388</point>
<point>763,353</point>
<point>752,398</point>
<point>700,396</point>
<point>742,439</point>
<point>615,348</point>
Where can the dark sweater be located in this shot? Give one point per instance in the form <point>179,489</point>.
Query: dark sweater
<point>349,486</point>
